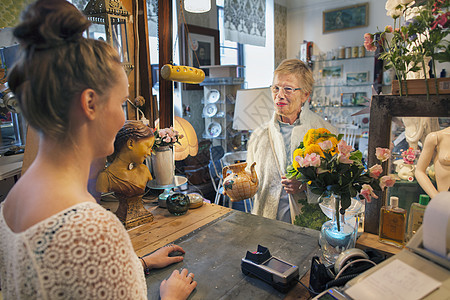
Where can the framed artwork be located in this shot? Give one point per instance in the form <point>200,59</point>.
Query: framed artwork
<point>345,18</point>
<point>347,99</point>
<point>332,71</point>
<point>199,47</point>
<point>357,78</point>
<point>361,98</point>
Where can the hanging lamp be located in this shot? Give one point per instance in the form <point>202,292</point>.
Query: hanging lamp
<point>197,6</point>
<point>112,19</point>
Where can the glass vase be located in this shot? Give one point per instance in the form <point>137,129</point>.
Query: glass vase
<point>333,241</point>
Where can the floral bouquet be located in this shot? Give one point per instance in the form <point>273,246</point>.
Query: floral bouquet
<point>166,137</point>
<point>409,156</point>
<point>328,165</point>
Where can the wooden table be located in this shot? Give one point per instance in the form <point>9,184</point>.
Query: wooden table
<point>216,261</point>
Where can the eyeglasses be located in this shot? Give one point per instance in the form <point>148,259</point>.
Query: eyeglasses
<point>287,90</point>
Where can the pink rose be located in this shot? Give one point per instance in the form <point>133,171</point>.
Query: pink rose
<point>343,148</point>
<point>389,29</point>
<point>167,139</point>
<point>382,154</point>
<point>312,160</point>
<point>387,181</point>
<point>375,171</point>
<point>368,42</point>
<point>162,132</point>
<point>344,158</point>
<point>300,161</point>
<point>367,192</point>
<point>326,145</point>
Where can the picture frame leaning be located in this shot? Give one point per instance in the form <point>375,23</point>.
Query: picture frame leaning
<point>199,47</point>
<point>343,18</point>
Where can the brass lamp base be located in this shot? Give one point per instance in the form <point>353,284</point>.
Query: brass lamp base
<point>131,212</point>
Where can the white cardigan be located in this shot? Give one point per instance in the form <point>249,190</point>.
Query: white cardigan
<point>260,151</point>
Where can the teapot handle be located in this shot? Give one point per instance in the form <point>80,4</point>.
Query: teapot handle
<point>224,172</point>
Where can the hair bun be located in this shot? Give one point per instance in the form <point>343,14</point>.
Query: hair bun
<point>50,23</point>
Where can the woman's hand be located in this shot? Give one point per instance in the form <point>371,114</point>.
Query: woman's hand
<point>292,186</point>
<point>178,286</point>
<point>160,258</point>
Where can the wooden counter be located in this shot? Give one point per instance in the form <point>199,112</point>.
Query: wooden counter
<point>167,228</point>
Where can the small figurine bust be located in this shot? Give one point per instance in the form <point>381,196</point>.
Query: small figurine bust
<point>436,148</point>
<point>126,175</point>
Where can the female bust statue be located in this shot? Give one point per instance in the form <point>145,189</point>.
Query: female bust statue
<point>126,175</point>
<point>437,148</point>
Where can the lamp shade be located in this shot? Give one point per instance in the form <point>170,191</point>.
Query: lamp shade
<point>253,108</point>
<point>197,6</point>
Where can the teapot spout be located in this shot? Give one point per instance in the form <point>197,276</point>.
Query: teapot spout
<point>254,176</point>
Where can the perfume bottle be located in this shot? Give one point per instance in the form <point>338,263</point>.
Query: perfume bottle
<point>392,224</point>
<point>416,213</point>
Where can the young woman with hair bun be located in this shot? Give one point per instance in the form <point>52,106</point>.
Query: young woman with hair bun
<point>56,242</point>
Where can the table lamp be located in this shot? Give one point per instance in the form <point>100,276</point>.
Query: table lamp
<point>253,108</point>
<point>189,142</point>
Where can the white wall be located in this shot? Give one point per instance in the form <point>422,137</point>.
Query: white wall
<point>304,22</point>
<point>259,61</point>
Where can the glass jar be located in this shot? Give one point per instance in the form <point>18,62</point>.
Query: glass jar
<point>177,204</point>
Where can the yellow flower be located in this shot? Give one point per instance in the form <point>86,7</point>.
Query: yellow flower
<point>314,148</point>
<point>297,152</point>
<point>308,139</point>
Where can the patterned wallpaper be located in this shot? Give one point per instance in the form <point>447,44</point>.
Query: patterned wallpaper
<point>280,33</point>
<point>10,11</point>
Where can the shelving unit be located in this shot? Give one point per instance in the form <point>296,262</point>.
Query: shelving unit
<point>218,111</point>
<point>335,78</point>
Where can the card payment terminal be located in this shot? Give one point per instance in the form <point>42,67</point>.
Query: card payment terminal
<point>275,271</point>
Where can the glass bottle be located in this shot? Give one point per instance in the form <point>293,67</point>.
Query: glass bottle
<point>416,213</point>
<point>392,224</point>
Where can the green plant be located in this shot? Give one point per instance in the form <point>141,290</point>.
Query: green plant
<point>406,46</point>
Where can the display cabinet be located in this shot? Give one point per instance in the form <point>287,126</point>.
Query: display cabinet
<point>218,111</point>
<point>342,82</point>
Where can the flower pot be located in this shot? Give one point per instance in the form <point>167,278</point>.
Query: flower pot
<point>163,165</point>
<point>418,86</point>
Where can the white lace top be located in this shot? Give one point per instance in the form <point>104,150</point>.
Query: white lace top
<point>82,252</point>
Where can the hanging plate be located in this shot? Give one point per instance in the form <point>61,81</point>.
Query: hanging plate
<point>214,96</point>
<point>210,110</point>
<point>214,129</point>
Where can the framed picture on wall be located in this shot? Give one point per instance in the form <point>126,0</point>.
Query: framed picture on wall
<point>357,78</point>
<point>345,18</point>
<point>199,47</point>
<point>332,71</point>
<point>347,99</point>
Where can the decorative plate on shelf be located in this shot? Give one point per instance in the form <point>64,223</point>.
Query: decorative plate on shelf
<point>213,96</point>
<point>210,110</point>
<point>214,129</point>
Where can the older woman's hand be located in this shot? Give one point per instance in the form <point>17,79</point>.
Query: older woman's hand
<point>179,285</point>
<point>292,186</point>
<point>160,258</point>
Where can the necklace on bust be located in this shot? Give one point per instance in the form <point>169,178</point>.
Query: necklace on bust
<point>130,165</point>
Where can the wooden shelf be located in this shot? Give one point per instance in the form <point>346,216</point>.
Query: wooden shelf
<point>368,240</point>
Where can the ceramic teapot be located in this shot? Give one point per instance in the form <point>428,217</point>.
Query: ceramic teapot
<point>240,184</point>
<point>404,171</point>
